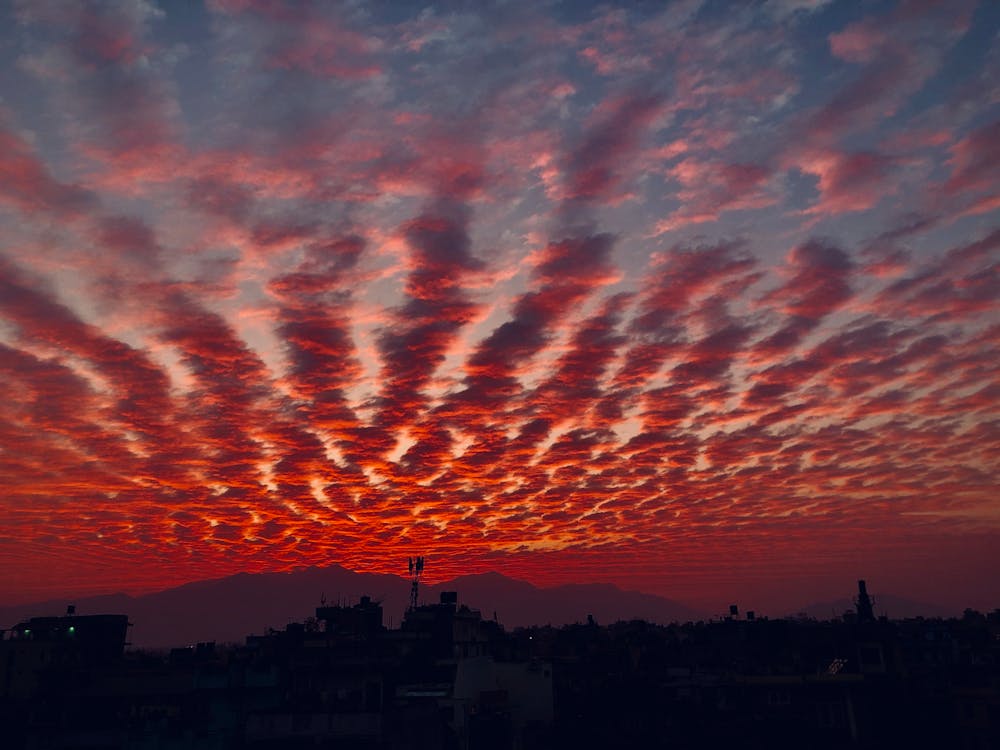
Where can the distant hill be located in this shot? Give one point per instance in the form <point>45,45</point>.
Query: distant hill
<point>229,609</point>
<point>895,607</point>
<point>518,603</point>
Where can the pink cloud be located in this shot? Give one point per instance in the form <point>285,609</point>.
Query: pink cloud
<point>849,181</point>
<point>858,43</point>
<point>26,183</point>
<point>975,161</point>
<point>594,167</point>
<point>709,189</point>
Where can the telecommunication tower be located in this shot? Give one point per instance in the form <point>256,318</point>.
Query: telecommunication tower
<point>864,603</point>
<point>416,569</point>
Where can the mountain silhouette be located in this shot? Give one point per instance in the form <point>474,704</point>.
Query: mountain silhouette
<point>519,603</point>
<point>229,609</point>
<point>895,607</point>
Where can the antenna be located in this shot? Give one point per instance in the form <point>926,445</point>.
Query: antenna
<point>416,566</point>
<point>864,604</point>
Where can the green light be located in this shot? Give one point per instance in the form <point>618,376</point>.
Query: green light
<point>72,630</point>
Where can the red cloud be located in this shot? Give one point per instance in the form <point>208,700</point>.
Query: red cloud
<point>594,166</point>
<point>975,160</point>
<point>26,183</point>
<point>315,287</point>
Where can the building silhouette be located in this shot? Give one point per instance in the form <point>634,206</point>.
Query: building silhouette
<point>449,678</point>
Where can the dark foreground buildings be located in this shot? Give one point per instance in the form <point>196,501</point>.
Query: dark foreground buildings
<point>447,678</point>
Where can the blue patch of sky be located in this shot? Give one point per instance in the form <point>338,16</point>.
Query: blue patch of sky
<point>188,26</point>
<point>962,63</point>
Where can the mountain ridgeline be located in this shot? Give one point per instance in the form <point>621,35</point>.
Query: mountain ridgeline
<point>229,609</point>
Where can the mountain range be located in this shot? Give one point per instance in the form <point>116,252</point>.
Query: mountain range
<point>883,604</point>
<point>229,609</point>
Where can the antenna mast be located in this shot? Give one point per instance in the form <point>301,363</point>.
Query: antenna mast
<point>416,569</point>
<point>865,610</point>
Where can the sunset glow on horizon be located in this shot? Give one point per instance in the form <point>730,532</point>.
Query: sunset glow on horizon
<point>697,298</point>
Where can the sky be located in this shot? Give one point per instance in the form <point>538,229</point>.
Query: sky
<point>697,298</point>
